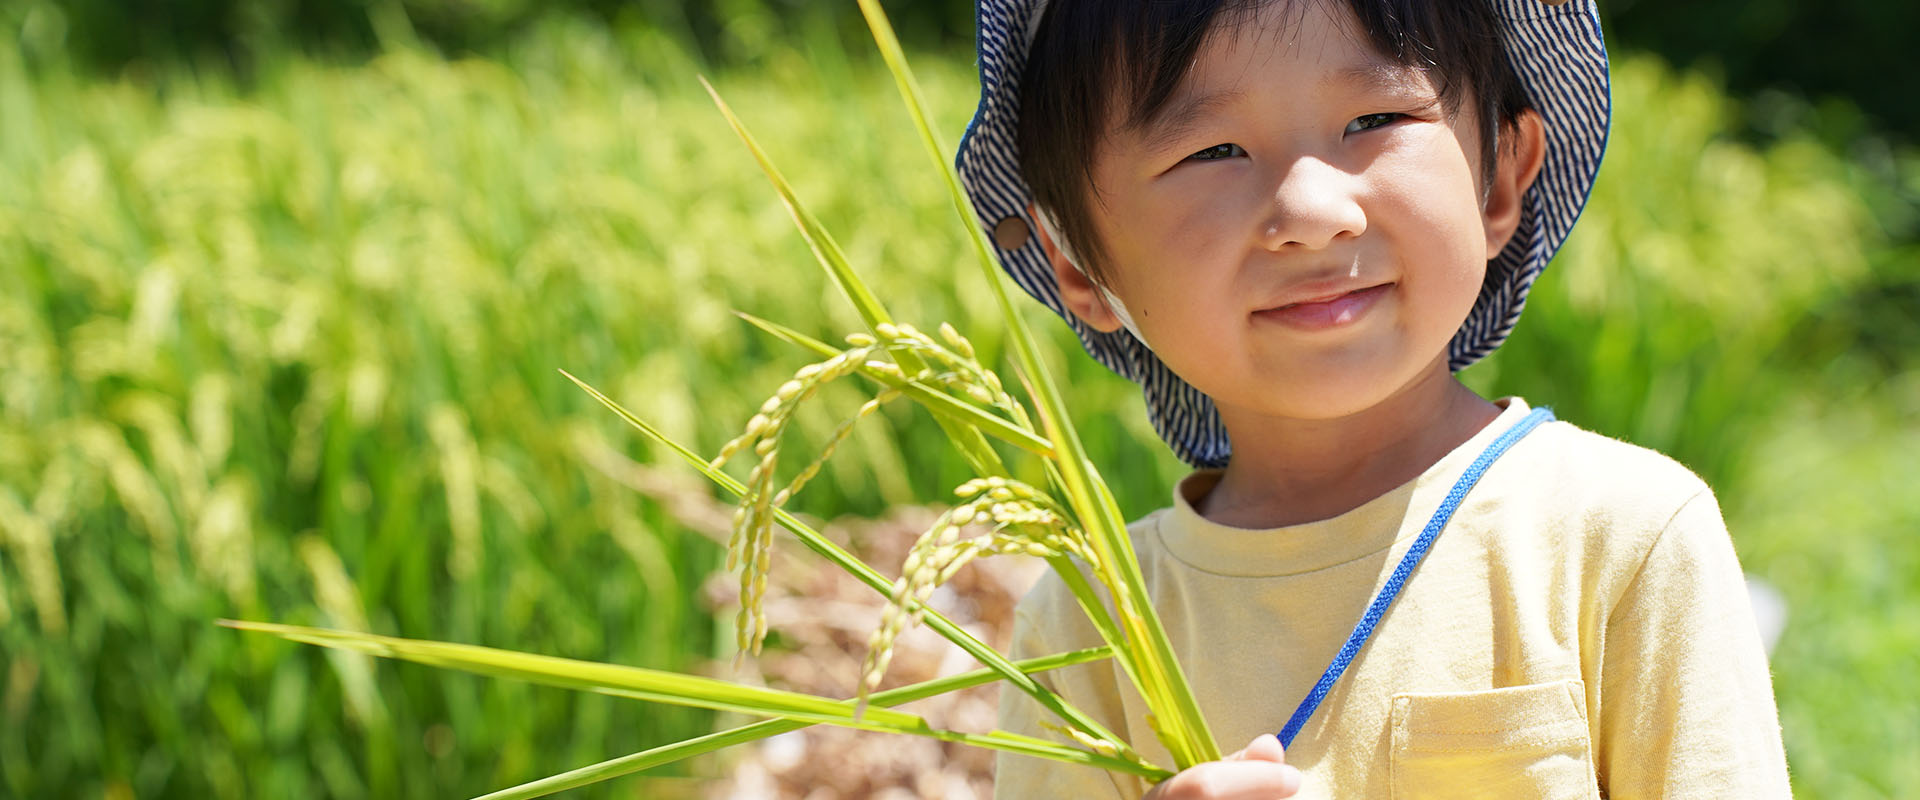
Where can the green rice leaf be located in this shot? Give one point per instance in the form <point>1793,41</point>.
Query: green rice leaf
<point>824,247</point>
<point>666,754</point>
<point>972,443</point>
<point>674,688</point>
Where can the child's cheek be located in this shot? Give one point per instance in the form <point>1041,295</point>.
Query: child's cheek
<point>1207,204</point>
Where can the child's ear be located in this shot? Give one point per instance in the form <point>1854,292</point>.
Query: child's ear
<point>1520,153</point>
<point>1077,290</point>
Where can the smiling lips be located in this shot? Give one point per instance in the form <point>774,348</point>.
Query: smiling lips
<point>1330,312</point>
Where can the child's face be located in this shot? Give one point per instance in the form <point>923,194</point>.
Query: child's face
<point>1303,232</point>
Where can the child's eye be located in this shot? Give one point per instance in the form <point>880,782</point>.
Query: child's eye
<point>1217,152</point>
<point>1367,122</point>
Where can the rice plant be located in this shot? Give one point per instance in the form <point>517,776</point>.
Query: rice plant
<point>971,402</point>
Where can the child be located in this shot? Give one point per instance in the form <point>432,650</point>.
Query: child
<point>1291,221</point>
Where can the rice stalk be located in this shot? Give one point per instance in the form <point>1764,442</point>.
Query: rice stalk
<point>137,490</point>
<point>339,599</point>
<point>1146,655</point>
<point>840,558</point>
<point>26,536</point>
<point>1140,642</point>
<point>211,418</point>
<point>222,543</point>
<point>459,475</point>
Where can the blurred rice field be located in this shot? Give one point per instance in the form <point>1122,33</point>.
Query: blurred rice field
<point>289,352</point>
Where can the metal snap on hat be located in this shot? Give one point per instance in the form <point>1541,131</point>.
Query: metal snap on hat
<point>1555,47</point>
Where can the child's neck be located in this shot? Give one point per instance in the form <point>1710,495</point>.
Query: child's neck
<point>1291,471</point>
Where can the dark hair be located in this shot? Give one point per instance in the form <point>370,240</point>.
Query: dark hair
<point>1095,61</point>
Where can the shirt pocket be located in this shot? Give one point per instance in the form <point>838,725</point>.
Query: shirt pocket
<point>1518,742</point>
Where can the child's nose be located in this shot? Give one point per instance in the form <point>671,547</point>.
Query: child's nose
<point>1312,205</point>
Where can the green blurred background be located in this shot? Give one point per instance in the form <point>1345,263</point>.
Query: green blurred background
<point>284,286</point>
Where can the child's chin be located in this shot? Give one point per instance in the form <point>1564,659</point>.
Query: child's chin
<point>1347,390</point>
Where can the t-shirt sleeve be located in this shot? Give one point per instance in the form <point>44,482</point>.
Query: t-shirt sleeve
<point>1687,706</point>
<point>1016,777</point>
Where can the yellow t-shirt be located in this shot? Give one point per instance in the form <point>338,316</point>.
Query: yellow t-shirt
<point>1580,629</point>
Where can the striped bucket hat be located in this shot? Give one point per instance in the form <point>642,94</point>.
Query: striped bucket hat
<point>1557,51</point>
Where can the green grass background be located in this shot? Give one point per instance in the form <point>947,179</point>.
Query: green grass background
<point>288,352</point>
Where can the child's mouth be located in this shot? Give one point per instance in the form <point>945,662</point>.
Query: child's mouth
<point>1332,312</point>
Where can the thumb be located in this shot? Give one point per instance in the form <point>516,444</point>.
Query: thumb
<point>1265,747</point>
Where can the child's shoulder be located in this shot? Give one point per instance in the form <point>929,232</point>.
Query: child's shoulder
<point>1584,469</point>
<point>1570,495</point>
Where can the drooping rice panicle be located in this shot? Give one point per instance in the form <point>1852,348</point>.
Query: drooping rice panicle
<point>778,409</point>
<point>750,546</point>
<point>964,374</point>
<point>950,364</point>
<point>838,436</point>
<point>1020,520</point>
<point>926,569</point>
<point>964,419</point>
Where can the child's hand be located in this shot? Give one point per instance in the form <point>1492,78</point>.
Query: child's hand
<point>1257,772</point>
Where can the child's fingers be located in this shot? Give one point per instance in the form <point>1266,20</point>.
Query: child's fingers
<point>1265,747</point>
<point>1231,780</point>
<point>1256,772</point>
